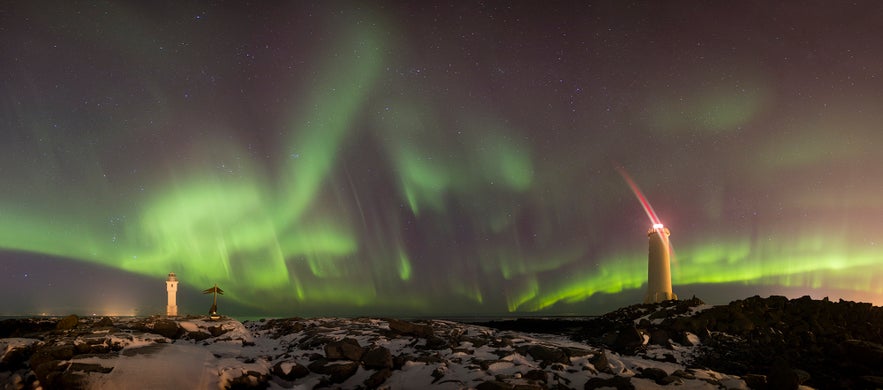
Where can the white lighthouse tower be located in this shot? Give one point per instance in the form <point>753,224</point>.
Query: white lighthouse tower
<point>172,290</point>
<point>659,266</point>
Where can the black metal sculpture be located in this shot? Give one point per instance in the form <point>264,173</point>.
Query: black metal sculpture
<point>213,312</point>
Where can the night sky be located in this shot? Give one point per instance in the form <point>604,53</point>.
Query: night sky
<point>404,158</point>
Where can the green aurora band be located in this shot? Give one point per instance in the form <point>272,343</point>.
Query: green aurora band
<point>468,216</point>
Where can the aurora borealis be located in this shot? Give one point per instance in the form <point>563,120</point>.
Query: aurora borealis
<point>410,158</point>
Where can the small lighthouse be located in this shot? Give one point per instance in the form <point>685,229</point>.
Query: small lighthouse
<point>172,290</point>
<point>659,266</point>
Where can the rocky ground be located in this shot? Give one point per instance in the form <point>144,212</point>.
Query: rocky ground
<point>771,343</point>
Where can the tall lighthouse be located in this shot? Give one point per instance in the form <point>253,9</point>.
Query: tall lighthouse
<point>659,265</point>
<point>172,290</point>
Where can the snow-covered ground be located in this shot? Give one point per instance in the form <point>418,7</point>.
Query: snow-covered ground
<point>358,353</point>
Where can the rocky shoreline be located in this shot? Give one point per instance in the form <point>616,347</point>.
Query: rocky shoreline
<point>773,342</point>
<point>761,343</point>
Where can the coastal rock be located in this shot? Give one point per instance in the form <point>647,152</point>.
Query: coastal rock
<point>68,322</point>
<point>628,340</point>
<point>167,328</point>
<point>347,348</point>
<point>338,371</point>
<point>410,329</point>
<point>377,358</point>
<point>378,378</point>
<point>600,362</point>
<point>547,355</point>
<point>616,382</point>
<point>653,373</point>
<point>289,370</point>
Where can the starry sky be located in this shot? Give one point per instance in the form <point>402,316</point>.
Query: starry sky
<point>432,159</point>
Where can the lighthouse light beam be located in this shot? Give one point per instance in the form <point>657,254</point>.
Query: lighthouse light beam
<point>659,250</point>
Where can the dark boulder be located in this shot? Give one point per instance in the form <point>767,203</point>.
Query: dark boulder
<point>494,385</point>
<point>167,328</point>
<point>653,373</point>
<point>338,371</point>
<point>250,380</point>
<point>547,355</point>
<point>378,378</point>
<point>377,358</point>
<point>347,348</point>
<point>537,375</point>
<point>104,322</point>
<point>68,322</point>
<point>409,328</point>
<point>600,362</point>
<point>289,370</point>
<point>616,382</point>
<point>628,340</point>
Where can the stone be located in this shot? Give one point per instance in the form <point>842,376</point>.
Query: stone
<point>197,336</point>
<point>89,367</point>
<point>683,374</point>
<point>250,380</point>
<point>617,382</point>
<point>104,322</point>
<point>338,371</point>
<point>600,362</point>
<point>494,385</point>
<point>547,355</point>
<point>289,370</point>
<point>68,322</point>
<point>782,377</point>
<point>652,373</point>
<point>378,378</point>
<point>167,328</point>
<point>670,380</point>
<point>628,340</point>
<point>217,330</point>
<point>347,348</point>
<point>409,328</point>
<point>537,375</point>
<point>755,381</point>
<point>377,358</point>
<point>660,337</point>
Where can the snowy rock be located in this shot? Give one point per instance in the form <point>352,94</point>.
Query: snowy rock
<point>337,371</point>
<point>289,370</point>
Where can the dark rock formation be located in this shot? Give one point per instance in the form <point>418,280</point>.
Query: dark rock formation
<point>377,358</point>
<point>347,348</point>
<point>409,328</point>
<point>338,371</point>
<point>378,378</point>
<point>617,382</point>
<point>289,370</point>
<point>68,322</point>
<point>167,328</point>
